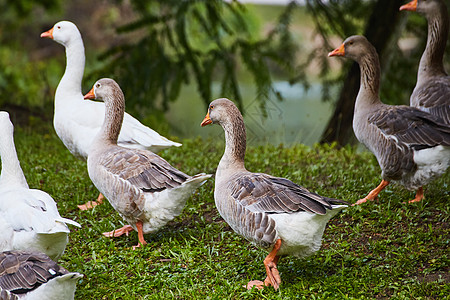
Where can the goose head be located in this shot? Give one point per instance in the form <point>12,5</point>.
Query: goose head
<point>104,88</point>
<point>425,7</point>
<point>63,32</point>
<point>221,111</point>
<point>354,47</point>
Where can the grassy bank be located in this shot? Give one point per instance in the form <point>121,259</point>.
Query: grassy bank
<point>387,249</point>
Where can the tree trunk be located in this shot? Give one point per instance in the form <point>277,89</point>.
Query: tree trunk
<point>381,30</point>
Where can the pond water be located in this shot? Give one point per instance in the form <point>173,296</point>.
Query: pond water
<point>299,118</point>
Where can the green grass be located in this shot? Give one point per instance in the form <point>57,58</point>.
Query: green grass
<point>386,249</point>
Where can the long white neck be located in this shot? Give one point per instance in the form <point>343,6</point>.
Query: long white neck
<point>12,174</point>
<point>70,85</point>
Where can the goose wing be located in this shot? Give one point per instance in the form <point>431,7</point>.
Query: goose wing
<point>433,97</point>
<point>30,209</point>
<point>136,135</point>
<point>264,193</point>
<point>412,127</point>
<point>22,271</point>
<point>143,169</point>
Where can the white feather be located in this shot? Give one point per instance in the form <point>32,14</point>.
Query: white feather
<point>302,232</point>
<point>29,218</point>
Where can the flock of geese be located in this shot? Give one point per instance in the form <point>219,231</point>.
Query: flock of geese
<point>411,144</point>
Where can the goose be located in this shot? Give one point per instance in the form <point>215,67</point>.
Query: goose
<point>29,218</point>
<point>412,146</point>
<point>271,212</point>
<point>432,90</point>
<point>76,121</point>
<point>141,186</point>
<point>31,275</point>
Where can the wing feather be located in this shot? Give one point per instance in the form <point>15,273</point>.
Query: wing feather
<point>411,126</point>
<point>264,193</point>
<point>433,97</point>
<point>143,169</point>
<point>21,271</point>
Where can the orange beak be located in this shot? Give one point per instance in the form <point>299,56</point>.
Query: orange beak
<point>411,6</point>
<point>48,34</point>
<point>206,120</point>
<point>90,95</point>
<point>338,51</point>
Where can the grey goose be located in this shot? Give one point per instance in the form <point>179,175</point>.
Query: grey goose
<point>141,186</point>
<point>432,90</point>
<point>271,212</point>
<point>412,146</point>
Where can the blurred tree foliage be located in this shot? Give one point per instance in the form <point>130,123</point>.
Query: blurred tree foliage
<point>192,41</point>
<point>21,80</point>
<point>172,43</point>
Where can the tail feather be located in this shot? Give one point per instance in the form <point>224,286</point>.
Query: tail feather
<point>198,179</point>
<point>69,221</point>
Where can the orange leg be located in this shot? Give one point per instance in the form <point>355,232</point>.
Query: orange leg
<point>92,204</point>
<point>142,242</point>
<point>419,196</point>
<point>373,194</point>
<point>273,276</point>
<point>118,232</point>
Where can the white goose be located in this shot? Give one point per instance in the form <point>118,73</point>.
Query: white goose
<point>29,218</point>
<point>141,186</point>
<point>77,121</point>
<point>272,213</point>
<point>30,275</point>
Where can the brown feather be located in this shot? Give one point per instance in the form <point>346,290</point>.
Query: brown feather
<point>23,271</point>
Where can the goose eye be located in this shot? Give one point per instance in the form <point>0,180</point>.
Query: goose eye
<point>211,106</point>
<point>97,85</point>
<point>59,27</point>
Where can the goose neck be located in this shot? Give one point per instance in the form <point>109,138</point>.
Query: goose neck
<point>370,79</point>
<point>235,142</point>
<point>73,74</point>
<point>11,172</point>
<point>114,113</point>
<point>431,62</point>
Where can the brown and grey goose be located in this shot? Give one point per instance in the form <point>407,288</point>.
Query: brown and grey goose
<point>30,275</point>
<point>432,91</point>
<point>412,146</point>
<point>271,212</point>
<point>141,186</point>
